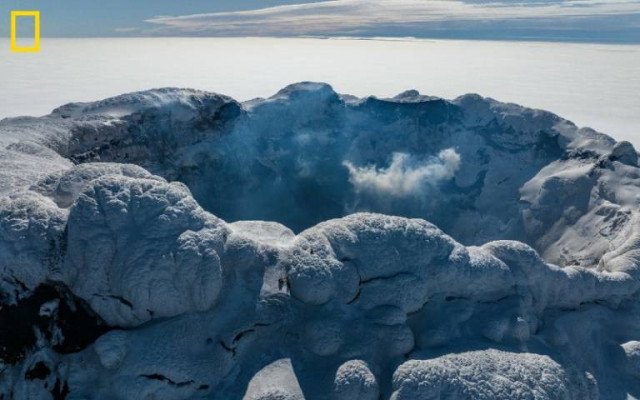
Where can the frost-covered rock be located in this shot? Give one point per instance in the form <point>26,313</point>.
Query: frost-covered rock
<point>31,242</point>
<point>355,381</point>
<point>490,375</point>
<point>276,381</point>
<point>111,349</point>
<point>632,357</point>
<point>65,186</point>
<point>140,249</point>
<point>625,153</point>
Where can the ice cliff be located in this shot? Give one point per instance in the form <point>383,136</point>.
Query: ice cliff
<point>418,248</point>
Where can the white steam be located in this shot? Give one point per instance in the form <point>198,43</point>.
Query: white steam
<point>406,174</point>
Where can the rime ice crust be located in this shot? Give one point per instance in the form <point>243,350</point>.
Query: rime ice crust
<point>490,375</point>
<point>140,248</point>
<point>523,285</point>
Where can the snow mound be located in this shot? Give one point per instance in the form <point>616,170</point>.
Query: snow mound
<point>141,248</point>
<point>31,231</point>
<point>490,375</point>
<point>418,248</point>
<point>355,381</point>
<point>276,381</point>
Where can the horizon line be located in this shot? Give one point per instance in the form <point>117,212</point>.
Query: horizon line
<point>586,41</point>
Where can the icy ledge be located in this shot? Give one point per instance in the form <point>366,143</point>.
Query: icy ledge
<point>117,284</point>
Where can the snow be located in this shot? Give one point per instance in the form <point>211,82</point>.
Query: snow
<point>632,357</point>
<point>141,248</point>
<point>32,226</point>
<point>490,375</point>
<point>276,381</point>
<point>277,249</point>
<point>355,381</point>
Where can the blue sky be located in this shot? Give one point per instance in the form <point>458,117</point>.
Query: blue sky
<point>91,18</point>
<point>568,20</point>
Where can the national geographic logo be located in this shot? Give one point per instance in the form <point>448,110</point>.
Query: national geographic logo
<point>16,17</point>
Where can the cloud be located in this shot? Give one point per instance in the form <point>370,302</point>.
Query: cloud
<point>405,175</point>
<point>370,17</point>
<point>125,30</point>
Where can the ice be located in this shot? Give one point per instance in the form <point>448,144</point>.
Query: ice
<point>141,248</point>
<point>276,381</point>
<point>355,381</point>
<point>316,246</point>
<point>490,375</point>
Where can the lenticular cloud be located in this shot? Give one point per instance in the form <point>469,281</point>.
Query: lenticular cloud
<point>177,244</point>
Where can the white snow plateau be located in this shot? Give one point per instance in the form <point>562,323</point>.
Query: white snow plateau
<point>176,244</point>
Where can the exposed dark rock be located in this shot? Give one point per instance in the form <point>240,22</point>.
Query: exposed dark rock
<point>38,371</point>
<point>79,325</point>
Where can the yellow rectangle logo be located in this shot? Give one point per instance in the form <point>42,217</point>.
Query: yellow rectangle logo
<point>36,41</point>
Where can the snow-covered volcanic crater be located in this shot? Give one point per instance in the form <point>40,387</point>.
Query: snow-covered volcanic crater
<point>134,263</point>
